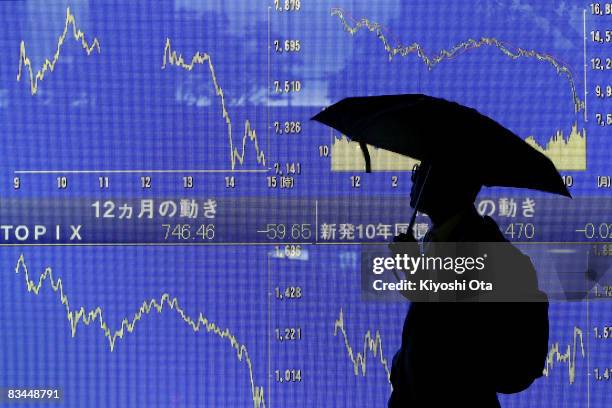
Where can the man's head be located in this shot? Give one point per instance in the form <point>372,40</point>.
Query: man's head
<point>441,191</point>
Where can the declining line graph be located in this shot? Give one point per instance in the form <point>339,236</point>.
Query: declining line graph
<point>432,60</point>
<point>172,57</point>
<point>566,153</point>
<point>84,317</point>
<point>49,65</point>
<point>555,355</point>
<point>371,344</point>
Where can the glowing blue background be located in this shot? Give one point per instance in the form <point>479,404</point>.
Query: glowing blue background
<point>119,110</point>
<point>163,363</point>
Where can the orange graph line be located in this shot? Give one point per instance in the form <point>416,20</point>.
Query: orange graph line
<point>371,344</point>
<point>236,154</point>
<point>128,324</point>
<point>49,65</point>
<point>432,60</point>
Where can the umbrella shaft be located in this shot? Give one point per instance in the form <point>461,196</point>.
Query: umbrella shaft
<point>418,200</point>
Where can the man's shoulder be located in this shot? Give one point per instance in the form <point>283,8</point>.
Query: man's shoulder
<point>492,229</point>
<point>484,229</point>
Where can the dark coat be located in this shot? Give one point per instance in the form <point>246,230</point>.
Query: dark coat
<point>462,354</point>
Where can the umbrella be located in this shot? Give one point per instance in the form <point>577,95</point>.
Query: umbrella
<point>439,131</point>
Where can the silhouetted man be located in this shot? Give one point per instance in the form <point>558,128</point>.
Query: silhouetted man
<point>461,354</point>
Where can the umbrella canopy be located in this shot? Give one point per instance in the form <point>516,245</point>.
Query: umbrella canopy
<point>439,131</point>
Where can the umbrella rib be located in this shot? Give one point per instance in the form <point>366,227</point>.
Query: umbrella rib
<point>366,156</point>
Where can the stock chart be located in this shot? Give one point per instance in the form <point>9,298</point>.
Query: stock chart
<point>176,231</point>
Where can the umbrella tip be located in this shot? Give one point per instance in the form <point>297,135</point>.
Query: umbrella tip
<point>565,192</point>
<point>314,117</point>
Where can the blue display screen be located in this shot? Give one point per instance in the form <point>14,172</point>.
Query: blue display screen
<point>175,230</point>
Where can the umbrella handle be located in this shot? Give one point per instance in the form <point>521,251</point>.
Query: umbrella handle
<point>416,204</point>
<point>366,156</point>
<point>412,220</point>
